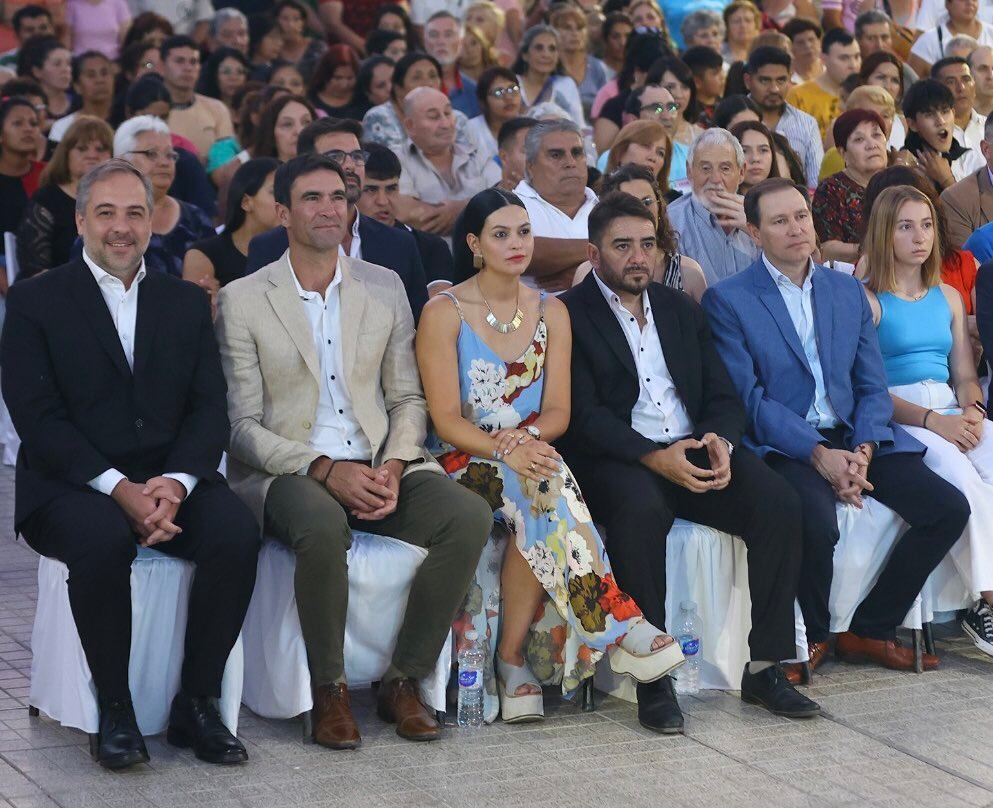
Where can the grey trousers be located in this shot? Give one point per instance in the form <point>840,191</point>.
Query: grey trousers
<point>433,512</point>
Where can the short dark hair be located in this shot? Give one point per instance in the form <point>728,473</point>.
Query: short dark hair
<point>379,40</point>
<point>633,104</point>
<point>144,92</point>
<point>836,36</point>
<point>769,186</point>
<point>307,139</point>
<point>79,61</point>
<point>488,79</point>
<point>767,55</point>
<point>34,52</point>
<point>941,64</point>
<point>406,62</point>
<point>731,105</point>
<point>927,95</point>
<point>700,58</point>
<point>174,42</point>
<point>615,205</point>
<point>300,166</point>
<point>247,181</point>
<point>800,25</point>
<point>23,86</point>
<point>382,163</point>
<point>28,12</point>
<point>510,128</point>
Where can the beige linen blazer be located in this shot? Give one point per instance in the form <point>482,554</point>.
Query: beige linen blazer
<point>968,206</point>
<point>272,370</point>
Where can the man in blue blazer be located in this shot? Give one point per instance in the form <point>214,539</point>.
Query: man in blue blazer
<point>799,343</point>
<point>365,238</point>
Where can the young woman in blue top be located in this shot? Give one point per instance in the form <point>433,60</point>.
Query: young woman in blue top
<point>923,335</point>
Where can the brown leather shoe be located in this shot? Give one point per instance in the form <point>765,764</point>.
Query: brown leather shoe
<point>399,703</point>
<point>334,726</point>
<point>888,653</point>
<point>817,651</point>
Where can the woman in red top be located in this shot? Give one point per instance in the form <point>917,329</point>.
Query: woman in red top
<point>19,171</point>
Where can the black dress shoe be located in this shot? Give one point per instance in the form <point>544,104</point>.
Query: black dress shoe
<point>195,722</point>
<point>658,709</point>
<point>119,741</point>
<point>771,689</point>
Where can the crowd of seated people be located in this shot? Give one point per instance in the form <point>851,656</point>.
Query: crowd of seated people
<point>615,264</point>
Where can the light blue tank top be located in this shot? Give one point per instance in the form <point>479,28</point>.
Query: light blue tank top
<point>915,337</point>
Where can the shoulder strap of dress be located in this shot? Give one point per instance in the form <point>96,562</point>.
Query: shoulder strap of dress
<point>541,304</point>
<point>454,300</point>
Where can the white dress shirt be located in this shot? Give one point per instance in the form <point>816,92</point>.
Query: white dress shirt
<point>659,413</point>
<point>123,306</point>
<point>336,432</point>
<point>800,305</point>
<point>973,133</point>
<point>355,248</point>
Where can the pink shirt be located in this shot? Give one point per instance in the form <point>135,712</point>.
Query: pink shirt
<point>95,26</point>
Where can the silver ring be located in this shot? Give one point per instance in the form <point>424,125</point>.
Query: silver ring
<point>531,467</point>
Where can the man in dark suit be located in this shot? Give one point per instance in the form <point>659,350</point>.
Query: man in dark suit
<point>984,307</point>
<point>365,238</point>
<point>114,383</point>
<point>655,433</point>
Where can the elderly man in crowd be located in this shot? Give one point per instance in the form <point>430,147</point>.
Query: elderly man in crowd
<point>954,72</point>
<point>558,202</point>
<point>981,64</point>
<point>800,345</point>
<point>440,175</point>
<point>767,77</point>
<point>969,202</point>
<point>710,221</point>
<point>229,29</point>
<point>443,35</point>
<point>328,425</point>
<point>114,384</point>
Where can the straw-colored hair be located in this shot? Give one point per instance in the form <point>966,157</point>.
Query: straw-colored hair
<point>84,129</point>
<point>644,133</point>
<point>878,245</point>
<point>491,8</point>
<point>868,96</point>
<point>490,56</point>
<point>742,5</point>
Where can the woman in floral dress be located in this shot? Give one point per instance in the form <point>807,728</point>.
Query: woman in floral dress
<point>496,417</point>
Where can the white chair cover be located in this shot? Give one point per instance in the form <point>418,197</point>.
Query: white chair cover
<point>380,572</point>
<point>61,684</point>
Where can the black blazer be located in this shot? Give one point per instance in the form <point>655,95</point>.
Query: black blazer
<point>77,406</point>
<point>436,257</point>
<point>984,309</point>
<point>386,246</point>
<point>605,382</point>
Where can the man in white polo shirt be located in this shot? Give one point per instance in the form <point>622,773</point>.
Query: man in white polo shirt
<point>558,202</point>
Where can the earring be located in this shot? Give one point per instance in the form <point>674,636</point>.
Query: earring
<point>477,260</point>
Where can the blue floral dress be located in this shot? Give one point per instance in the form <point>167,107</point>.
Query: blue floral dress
<point>549,521</point>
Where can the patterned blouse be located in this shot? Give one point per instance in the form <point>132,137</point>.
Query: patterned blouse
<point>838,209</point>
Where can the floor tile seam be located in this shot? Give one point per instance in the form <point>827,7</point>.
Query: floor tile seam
<point>27,776</point>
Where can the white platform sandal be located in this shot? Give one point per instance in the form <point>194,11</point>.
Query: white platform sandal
<point>518,709</point>
<point>635,657</point>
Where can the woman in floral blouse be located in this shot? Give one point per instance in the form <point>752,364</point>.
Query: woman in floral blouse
<point>485,350</point>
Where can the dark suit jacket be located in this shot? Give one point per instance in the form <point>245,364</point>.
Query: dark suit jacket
<point>77,406</point>
<point>386,246</point>
<point>436,257</point>
<point>984,308</point>
<point>605,382</point>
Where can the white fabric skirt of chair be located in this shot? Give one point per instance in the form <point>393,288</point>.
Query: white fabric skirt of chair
<point>61,684</point>
<point>8,436</point>
<point>380,572</point>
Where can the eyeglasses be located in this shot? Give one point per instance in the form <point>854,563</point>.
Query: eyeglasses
<point>358,156</point>
<point>657,109</point>
<point>154,154</point>
<point>500,92</point>
<point>232,71</point>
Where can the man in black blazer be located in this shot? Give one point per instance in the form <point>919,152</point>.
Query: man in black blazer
<point>654,435</point>
<point>113,380</point>
<point>376,243</point>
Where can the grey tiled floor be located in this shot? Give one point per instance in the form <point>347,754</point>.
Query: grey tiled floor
<point>888,739</point>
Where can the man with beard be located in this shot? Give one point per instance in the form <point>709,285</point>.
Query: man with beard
<point>364,237</point>
<point>114,384</point>
<point>767,77</point>
<point>443,36</point>
<point>328,425</point>
<point>654,435</point>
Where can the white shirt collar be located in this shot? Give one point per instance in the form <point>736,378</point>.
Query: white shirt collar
<point>306,295</point>
<point>525,189</point>
<point>782,280</point>
<point>615,302</point>
<point>101,276</point>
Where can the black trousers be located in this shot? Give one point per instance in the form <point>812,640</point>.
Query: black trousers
<point>89,533</point>
<point>934,509</point>
<point>637,508</point>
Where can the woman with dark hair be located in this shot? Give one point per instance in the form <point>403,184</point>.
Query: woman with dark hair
<point>251,209</point>
<point>760,153</point>
<point>372,85</point>
<point>332,86</point>
<point>135,61</point>
<point>614,33</point>
<point>49,62</point>
<point>280,126</point>
<point>225,72</point>
<point>299,47</point>
<point>288,76</point>
<point>735,109</point>
<point>148,27</point>
<point>588,72</point>
<point>539,73</point>
<point>496,418</point>
<point>386,43</point>
<point>393,17</point>
<point>673,74</point>
<point>265,40</point>
<point>20,173</point>
<point>884,69</point>
<point>93,80</point>
<point>788,160</point>
<point>499,97</point>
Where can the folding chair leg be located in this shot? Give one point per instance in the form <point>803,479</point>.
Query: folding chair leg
<point>307,719</point>
<point>808,674</point>
<point>929,638</point>
<point>918,650</point>
<point>589,696</point>
<point>94,740</point>
<point>33,711</point>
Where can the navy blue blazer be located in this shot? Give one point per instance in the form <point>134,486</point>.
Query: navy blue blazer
<point>386,246</point>
<point>984,308</point>
<point>762,351</point>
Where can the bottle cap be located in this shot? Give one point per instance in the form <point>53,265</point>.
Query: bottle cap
<point>688,606</point>
<point>472,635</point>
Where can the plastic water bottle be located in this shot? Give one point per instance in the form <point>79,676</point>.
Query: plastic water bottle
<point>688,635</point>
<point>472,660</point>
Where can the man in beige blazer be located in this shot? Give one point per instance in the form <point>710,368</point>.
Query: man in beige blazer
<point>328,423</point>
<point>969,202</point>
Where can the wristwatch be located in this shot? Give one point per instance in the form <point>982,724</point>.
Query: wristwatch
<point>729,445</point>
<point>533,431</point>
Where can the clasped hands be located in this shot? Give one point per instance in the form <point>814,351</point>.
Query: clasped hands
<point>673,464</point>
<point>368,493</point>
<point>151,507</point>
<point>847,472</point>
<point>530,457</point>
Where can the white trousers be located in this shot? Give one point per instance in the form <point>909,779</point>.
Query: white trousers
<point>971,472</point>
